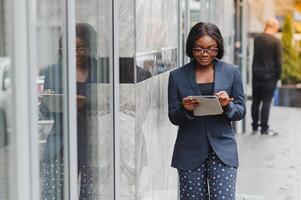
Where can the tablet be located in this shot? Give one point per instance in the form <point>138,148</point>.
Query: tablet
<point>208,105</point>
<point>54,102</point>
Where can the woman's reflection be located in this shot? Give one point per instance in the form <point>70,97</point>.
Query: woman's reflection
<point>53,160</point>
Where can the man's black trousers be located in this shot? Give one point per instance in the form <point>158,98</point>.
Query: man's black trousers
<point>262,94</point>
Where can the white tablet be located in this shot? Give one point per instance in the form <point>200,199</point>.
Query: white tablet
<point>208,105</point>
<point>54,102</point>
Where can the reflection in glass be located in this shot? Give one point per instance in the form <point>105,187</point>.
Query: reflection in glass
<point>154,63</point>
<point>7,135</point>
<point>51,108</point>
<point>51,95</point>
<point>51,131</point>
<point>95,126</point>
<point>97,133</point>
<point>5,124</point>
<point>143,149</point>
<point>86,67</point>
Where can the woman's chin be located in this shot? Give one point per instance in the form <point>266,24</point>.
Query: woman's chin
<point>202,63</point>
<point>79,63</point>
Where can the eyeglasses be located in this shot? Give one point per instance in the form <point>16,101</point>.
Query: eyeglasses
<point>79,51</point>
<point>211,51</point>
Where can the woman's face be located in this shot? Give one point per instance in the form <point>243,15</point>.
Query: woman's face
<point>205,50</point>
<point>82,52</point>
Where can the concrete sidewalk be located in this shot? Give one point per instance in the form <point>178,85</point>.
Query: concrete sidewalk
<point>270,167</point>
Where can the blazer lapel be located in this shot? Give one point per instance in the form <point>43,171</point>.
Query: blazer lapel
<point>190,73</point>
<point>218,73</point>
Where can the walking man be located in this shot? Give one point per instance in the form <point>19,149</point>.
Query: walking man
<point>266,70</point>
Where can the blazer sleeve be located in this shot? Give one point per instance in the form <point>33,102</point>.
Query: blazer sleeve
<point>236,110</point>
<point>176,111</point>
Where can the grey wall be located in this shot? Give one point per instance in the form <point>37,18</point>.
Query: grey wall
<point>147,139</point>
<point>155,137</point>
<point>147,136</point>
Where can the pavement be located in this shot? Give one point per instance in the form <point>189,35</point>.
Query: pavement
<point>270,166</point>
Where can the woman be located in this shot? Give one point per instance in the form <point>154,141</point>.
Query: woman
<point>53,160</point>
<point>205,151</point>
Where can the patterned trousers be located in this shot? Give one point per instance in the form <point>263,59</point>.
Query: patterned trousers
<point>53,180</point>
<point>212,179</point>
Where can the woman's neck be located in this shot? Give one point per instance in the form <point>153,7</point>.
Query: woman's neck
<point>204,74</point>
<point>81,73</point>
<point>203,67</point>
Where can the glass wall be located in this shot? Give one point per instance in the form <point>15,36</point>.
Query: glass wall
<point>148,48</point>
<point>51,84</point>
<point>7,133</point>
<point>126,112</point>
<point>93,97</point>
<point>222,14</point>
<point>94,85</point>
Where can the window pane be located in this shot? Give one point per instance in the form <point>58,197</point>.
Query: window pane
<point>94,99</point>
<point>145,171</point>
<point>50,59</point>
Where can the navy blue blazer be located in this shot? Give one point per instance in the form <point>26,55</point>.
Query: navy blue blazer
<point>197,134</point>
<point>53,81</point>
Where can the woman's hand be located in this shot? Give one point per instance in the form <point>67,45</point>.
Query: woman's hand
<point>189,103</point>
<point>81,101</point>
<point>223,98</point>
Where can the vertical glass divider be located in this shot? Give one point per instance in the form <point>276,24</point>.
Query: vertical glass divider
<point>33,101</point>
<point>116,100</point>
<point>22,101</point>
<point>70,120</point>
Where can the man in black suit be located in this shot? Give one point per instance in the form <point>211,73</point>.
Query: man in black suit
<point>266,70</point>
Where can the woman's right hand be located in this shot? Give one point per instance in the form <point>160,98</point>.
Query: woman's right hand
<point>81,101</point>
<point>189,103</point>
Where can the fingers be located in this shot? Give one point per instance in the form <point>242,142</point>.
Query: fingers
<point>80,97</point>
<point>190,103</point>
<point>188,99</point>
<point>223,98</point>
<point>222,95</point>
<point>81,101</point>
<point>190,107</point>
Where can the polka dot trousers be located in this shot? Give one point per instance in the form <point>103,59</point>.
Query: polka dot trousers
<point>212,179</point>
<point>53,181</point>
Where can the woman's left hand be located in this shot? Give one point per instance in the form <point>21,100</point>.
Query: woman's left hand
<point>223,98</point>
